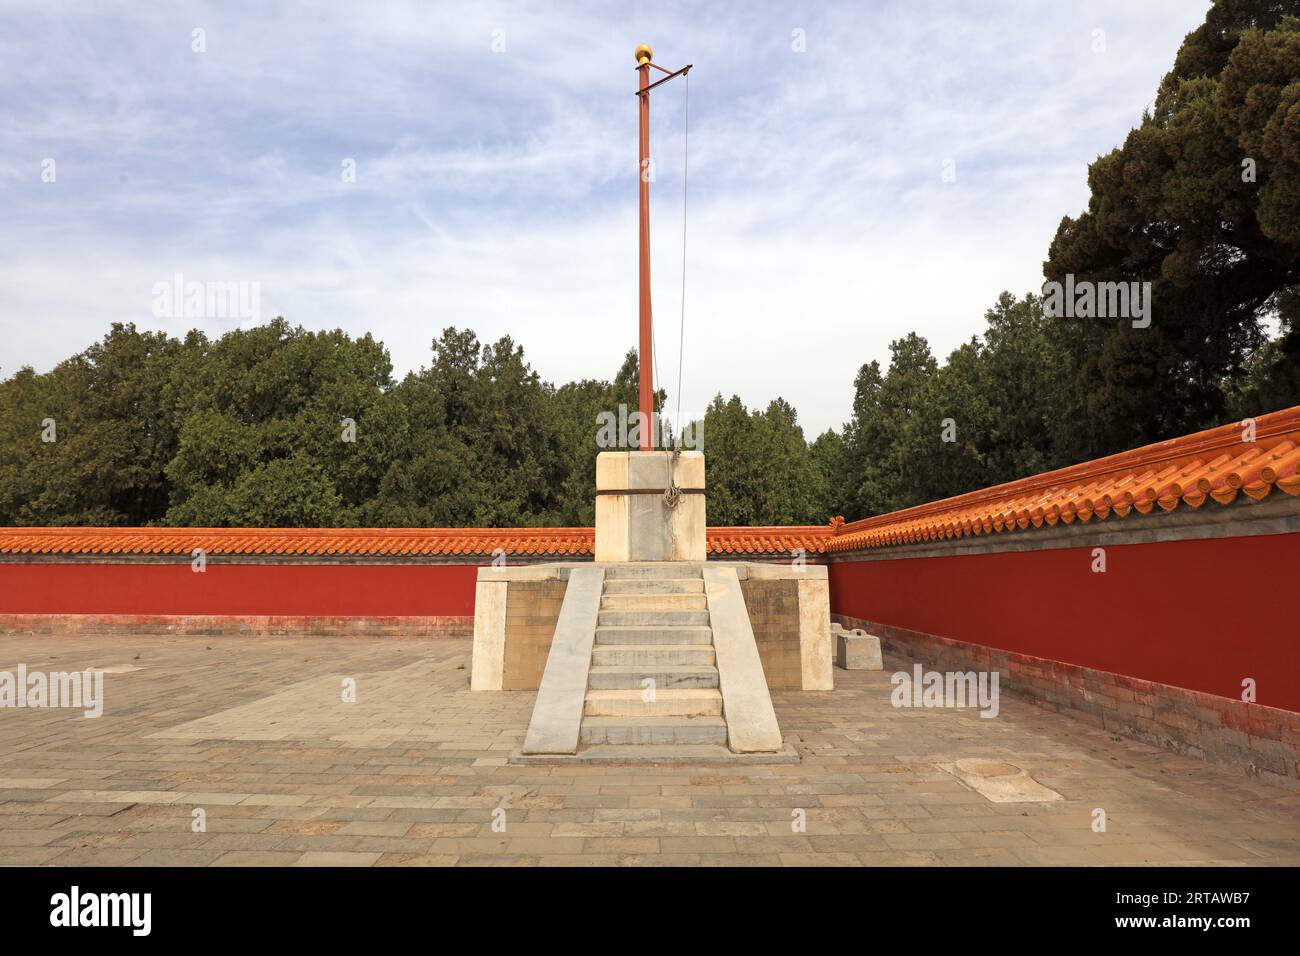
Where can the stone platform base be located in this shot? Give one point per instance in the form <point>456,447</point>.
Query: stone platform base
<point>516,609</point>
<point>665,754</point>
<point>633,521</point>
<point>856,650</point>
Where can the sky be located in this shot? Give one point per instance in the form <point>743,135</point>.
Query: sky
<point>857,171</point>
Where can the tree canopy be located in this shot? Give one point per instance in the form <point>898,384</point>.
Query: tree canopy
<point>280,426</point>
<point>1203,201</point>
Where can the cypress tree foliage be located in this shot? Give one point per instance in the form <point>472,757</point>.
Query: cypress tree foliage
<point>89,441</point>
<point>1001,407</point>
<point>280,427</point>
<point>761,471</point>
<point>1202,200</point>
<point>277,426</point>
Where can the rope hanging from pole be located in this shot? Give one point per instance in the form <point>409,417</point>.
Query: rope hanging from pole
<point>686,154</point>
<point>672,494</point>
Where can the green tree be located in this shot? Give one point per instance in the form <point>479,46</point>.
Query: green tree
<point>1203,200</point>
<point>481,448</point>
<point>760,468</point>
<point>575,411</point>
<point>830,460</point>
<point>999,408</point>
<point>889,414</point>
<point>1010,395</point>
<point>278,426</point>
<point>113,435</point>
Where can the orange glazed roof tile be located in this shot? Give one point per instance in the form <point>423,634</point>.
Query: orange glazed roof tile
<point>1213,465</point>
<point>1217,464</point>
<point>475,543</point>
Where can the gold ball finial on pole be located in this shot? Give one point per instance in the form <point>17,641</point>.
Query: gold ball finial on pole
<point>643,54</point>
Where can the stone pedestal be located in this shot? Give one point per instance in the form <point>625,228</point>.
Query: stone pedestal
<point>633,522</point>
<point>518,608</point>
<point>856,650</point>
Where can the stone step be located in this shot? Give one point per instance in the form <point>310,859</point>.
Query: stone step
<point>610,677</point>
<point>657,570</point>
<point>655,586</point>
<point>654,634</point>
<point>654,730</point>
<point>647,618</point>
<point>686,702</point>
<point>653,602</point>
<point>658,655</point>
<point>667,755</point>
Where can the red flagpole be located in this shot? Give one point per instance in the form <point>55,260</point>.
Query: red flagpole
<point>643,55</point>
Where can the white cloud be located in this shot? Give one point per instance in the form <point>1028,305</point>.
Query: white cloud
<point>497,191</point>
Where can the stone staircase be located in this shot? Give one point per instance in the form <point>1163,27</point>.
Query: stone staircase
<point>653,681</point>
<point>654,662</point>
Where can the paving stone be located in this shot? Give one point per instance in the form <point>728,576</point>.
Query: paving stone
<point>28,855</point>
<point>497,860</point>
<point>177,857</point>
<point>372,828</point>
<point>254,733</point>
<point>416,859</point>
<point>96,856</point>
<point>325,858</point>
<point>256,858</point>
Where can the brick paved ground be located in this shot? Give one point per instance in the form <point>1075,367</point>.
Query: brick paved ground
<point>256,735</point>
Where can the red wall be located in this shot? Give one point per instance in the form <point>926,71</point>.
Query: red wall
<point>1195,614</point>
<point>320,590</point>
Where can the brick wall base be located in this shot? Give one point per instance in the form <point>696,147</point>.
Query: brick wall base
<point>142,625</point>
<point>1261,741</point>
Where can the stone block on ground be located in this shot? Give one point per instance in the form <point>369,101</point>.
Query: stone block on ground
<point>857,650</point>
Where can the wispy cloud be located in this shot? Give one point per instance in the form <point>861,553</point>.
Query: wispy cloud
<point>496,190</point>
